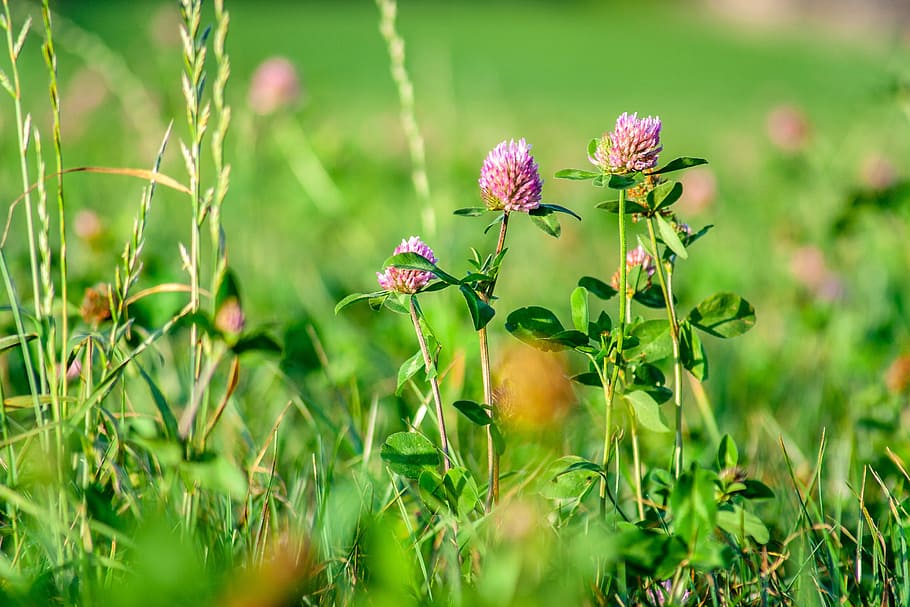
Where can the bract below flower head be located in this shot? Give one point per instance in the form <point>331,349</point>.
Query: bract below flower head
<point>403,280</point>
<point>510,179</point>
<point>632,146</point>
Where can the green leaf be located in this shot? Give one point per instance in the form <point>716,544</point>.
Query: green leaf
<point>167,416</point>
<point>692,352</point>
<point>576,174</point>
<point>432,491</point>
<point>415,261</point>
<point>647,411</point>
<point>723,315</point>
<point>481,312</point>
<point>651,297</point>
<point>12,341</point>
<point>562,482</point>
<point>546,220</point>
<point>727,454</point>
<point>598,329</point>
<point>408,369</point>
<point>560,209</point>
<point>353,297</point>
<point>217,474</point>
<point>409,454</point>
<point>664,195</point>
<point>400,303</point>
<point>461,491</point>
<point>623,182</point>
<point>579,301</point>
<point>474,412</point>
<point>631,207</point>
<point>496,221</point>
<point>692,505</point>
<point>499,443</point>
<point>756,490</point>
<point>653,341</point>
<point>670,237</point>
<point>256,342</point>
<point>571,339</point>
<point>739,524</point>
<point>597,287</point>
<point>592,147</point>
<point>535,326</point>
<point>470,211</point>
<point>588,379</point>
<point>679,164</point>
<point>228,289</point>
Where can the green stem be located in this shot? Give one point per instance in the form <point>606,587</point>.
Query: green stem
<point>610,391</point>
<point>492,456</point>
<point>667,290</point>
<point>434,383</point>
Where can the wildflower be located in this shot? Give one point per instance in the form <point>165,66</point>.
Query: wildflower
<point>788,128</point>
<point>230,318</point>
<point>510,179</point>
<point>274,86</point>
<point>407,281</point>
<point>636,258</point>
<point>632,146</point>
<point>96,306</point>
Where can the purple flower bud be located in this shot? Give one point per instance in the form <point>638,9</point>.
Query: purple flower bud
<point>632,146</point>
<point>510,179</point>
<point>407,281</point>
<point>638,257</point>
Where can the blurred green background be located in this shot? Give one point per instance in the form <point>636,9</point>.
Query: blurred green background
<point>800,118</point>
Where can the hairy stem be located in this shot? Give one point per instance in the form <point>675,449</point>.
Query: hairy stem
<point>663,275</point>
<point>434,384</point>
<point>492,456</point>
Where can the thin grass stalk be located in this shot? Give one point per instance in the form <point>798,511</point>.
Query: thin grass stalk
<point>395,45</point>
<point>193,80</point>
<point>492,456</point>
<point>664,276</point>
<point>132,263</point>
<point>50,58</point>
<point>23,130</point>
<point>434,384</point>
<point>12,472</point>
<point>222,113</point>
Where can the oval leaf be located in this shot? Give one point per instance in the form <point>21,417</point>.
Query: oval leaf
<point>723,315</point>
<point>408,369</point>
<point>575,174</point>
<point>481,312</point>
<point>579,301</point>
<point>535,326</point>
<point>646,410</point>
<point>597,287</point>
<point>474,412</point>
<point>409,454</point>
<point>679,164</point>
<point>670,237</point>
<point>470,211</point>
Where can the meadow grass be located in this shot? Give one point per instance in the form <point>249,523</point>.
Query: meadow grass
<point>222,441</point>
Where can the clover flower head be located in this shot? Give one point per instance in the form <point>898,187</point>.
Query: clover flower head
<point>403,280</point>
<point>639,257</point>
<point>636,257</point>
<point>632,146</point>
<point>275,85</point>
<point>510,179</point>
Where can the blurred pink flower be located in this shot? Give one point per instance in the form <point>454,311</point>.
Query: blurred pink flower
<point>808,267</point>
<point>87,225</point>
<point>788,128</point>
<point>636,258</point>
<point>699,190</point>
<point>878,173</point>
<point>510,179</point>
<point>274,86</point>
<point>407,281</point>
